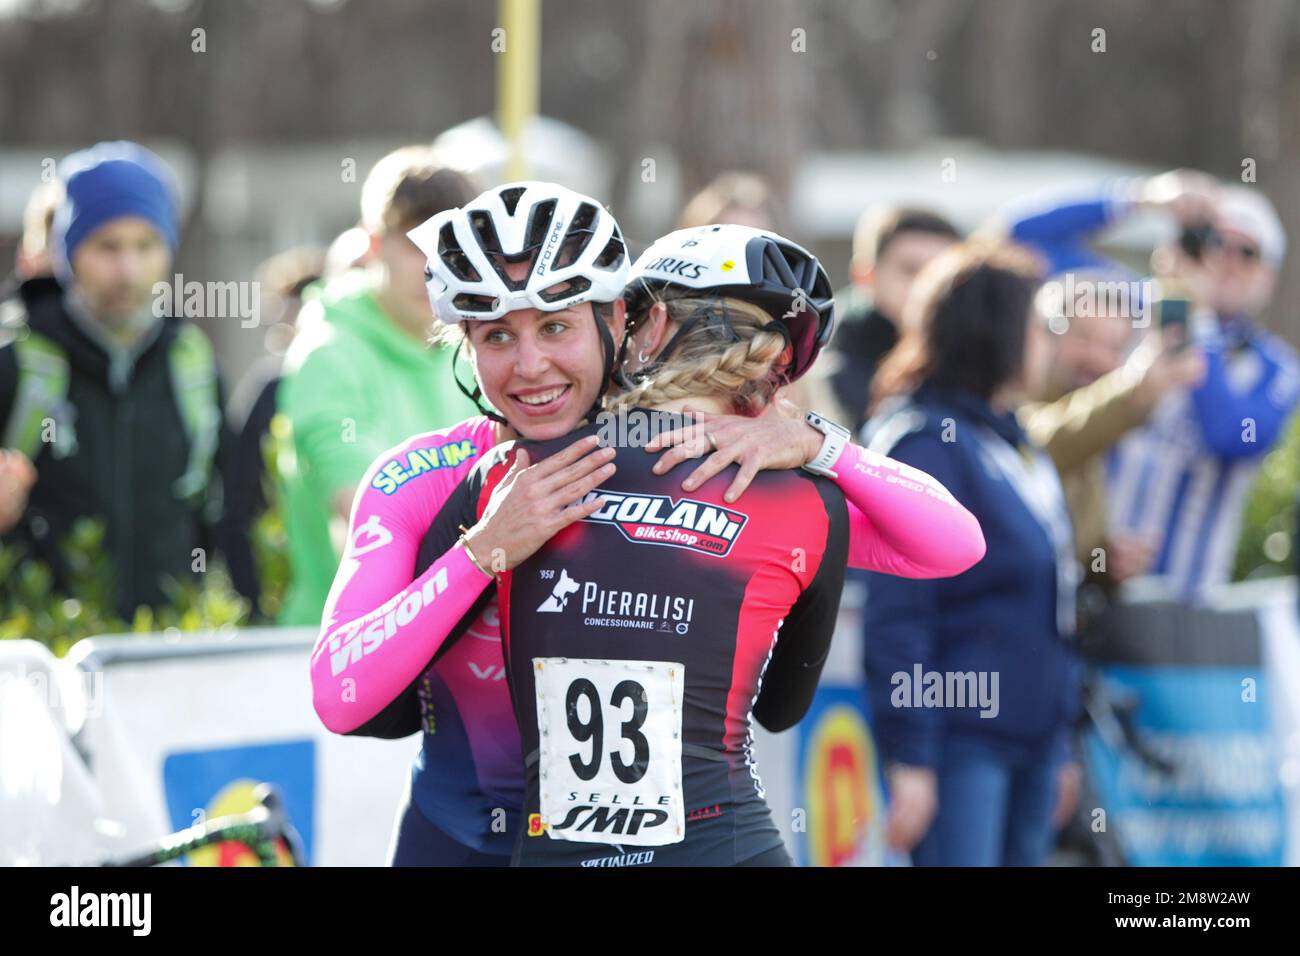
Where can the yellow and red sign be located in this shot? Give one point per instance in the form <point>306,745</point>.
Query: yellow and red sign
<point>840,784</point>
<point>237,797</point>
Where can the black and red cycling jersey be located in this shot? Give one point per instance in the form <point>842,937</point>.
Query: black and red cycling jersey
<point>664,613</point>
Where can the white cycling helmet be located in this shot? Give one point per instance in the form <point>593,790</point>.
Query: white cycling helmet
<point>572,245</point>
<point>753,265</point>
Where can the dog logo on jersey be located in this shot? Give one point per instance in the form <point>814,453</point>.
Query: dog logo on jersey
<point>658,519</point>
<point>559,594</point>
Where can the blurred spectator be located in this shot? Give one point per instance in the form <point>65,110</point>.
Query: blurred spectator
<point>349,250</point>
<point>1180,481</point>
<point>742,199</point>
<point>281,281</point>
<point>33,257</point>
<point>890,246</point>
<point>33,261</point>
<point>361,376</point>
<point>1090,399</point>
<point>16,479</point>
<point>118,409</point>
<point>38,219</point>
<point>972,679</point>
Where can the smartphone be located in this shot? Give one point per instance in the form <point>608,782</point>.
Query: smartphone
<point>1173,312</point>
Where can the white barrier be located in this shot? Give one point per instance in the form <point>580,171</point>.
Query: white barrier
<point>133,737</point>
<point>48,800</point>
<point>184,720</point>
<point>179,729</point>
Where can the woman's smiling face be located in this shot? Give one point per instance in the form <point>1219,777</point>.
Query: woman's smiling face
<point>542,370</point>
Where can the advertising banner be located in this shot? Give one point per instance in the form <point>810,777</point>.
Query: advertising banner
<point>1213,692</point>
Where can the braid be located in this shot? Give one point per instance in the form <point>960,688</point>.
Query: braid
<point>702,367</point>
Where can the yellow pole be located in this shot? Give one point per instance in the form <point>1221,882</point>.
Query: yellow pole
<point>518,77</point>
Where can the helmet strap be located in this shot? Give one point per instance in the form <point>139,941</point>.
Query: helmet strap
<point>618,377</point>
<point>475,396</point>
<point>610,354</point>
<point>715,315</point>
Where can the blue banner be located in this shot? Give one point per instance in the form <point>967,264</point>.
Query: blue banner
<point>202,784</point>
<point>1203,710</point>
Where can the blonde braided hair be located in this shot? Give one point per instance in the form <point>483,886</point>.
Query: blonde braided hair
<point>704,366</point>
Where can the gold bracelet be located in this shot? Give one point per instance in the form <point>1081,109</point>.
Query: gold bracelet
<point>473,560</point>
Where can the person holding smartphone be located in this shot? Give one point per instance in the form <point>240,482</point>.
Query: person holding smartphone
<point>1178,482</point>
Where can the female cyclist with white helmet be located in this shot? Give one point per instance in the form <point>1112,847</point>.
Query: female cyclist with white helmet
<point>376,640</point>
<point>466,785</point>
<point>636,639</point>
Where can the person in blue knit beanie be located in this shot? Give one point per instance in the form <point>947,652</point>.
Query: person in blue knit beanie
<point>114,235</point>
<point>110,407</point>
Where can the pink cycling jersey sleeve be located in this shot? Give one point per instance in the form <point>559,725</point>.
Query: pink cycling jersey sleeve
<point>378,635</point>
<point>902,521</point>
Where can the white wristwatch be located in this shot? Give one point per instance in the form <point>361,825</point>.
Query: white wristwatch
<point>835,439</point>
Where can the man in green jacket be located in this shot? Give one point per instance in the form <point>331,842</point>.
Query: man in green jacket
<point>361,375</point>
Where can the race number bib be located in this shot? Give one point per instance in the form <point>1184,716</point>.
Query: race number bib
<point>610,751</point>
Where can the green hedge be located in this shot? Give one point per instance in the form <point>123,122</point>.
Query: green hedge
<point>30,609</point>
<point>1265,547</point>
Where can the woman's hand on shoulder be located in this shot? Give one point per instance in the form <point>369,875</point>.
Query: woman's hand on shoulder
<point>534,502</point>
<point>777,438</point>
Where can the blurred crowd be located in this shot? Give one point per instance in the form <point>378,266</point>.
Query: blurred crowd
<point>1103,425</point>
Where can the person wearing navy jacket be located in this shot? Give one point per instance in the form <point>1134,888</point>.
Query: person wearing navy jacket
<point>972,680</point>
